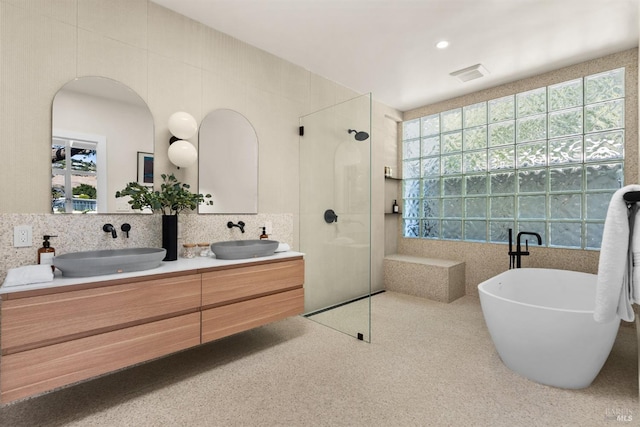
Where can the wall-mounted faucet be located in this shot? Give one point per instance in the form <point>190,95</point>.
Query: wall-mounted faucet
<point>240,225</point>
<point>108,228</point>
<point>330,216</point>
<point>126,227</point>
<point>515,258</point>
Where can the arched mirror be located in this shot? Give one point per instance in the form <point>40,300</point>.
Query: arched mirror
<point>228,163</point>
<point>101,139</point>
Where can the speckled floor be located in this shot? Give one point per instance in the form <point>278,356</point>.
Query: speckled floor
<point>429,364</point>
<point>352,318</point>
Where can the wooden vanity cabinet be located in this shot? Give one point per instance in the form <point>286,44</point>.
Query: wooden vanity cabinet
<point>59,336</point>
<point>45,368</point>
<point>239,299</point>
<point>47,319</point>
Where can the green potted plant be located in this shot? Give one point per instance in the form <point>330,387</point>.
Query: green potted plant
<point>172,198</point>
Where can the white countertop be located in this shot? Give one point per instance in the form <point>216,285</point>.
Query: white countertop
<point>181,264</point>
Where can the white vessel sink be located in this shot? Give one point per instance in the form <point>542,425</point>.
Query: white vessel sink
<point>108,261</point>
<point>241,249</point>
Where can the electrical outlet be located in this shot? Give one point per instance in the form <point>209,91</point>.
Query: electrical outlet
<point>22,236</point>
<point>268,227</point>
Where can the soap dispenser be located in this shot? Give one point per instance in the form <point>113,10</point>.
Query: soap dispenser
<point>46,252</point>
<point>264,234</point>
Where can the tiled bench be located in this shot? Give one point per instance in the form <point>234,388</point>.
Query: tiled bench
<point>437,279</point>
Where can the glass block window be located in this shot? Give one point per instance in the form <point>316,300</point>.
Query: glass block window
<point>546,160</point>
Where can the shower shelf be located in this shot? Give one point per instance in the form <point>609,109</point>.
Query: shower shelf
<point>393,178</point>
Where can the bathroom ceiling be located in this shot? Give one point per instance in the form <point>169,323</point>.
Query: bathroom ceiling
<point>387,47</point>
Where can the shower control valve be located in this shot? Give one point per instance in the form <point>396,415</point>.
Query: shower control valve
<point>330,216</point>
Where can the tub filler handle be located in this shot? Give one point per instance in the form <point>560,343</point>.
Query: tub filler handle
<point>515,257</point>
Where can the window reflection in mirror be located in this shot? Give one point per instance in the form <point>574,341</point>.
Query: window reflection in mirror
<point>100,127</point>
<point>74,170</point>
<point>228,163</point>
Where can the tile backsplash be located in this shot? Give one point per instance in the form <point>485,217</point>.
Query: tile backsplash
<point>84,232</point>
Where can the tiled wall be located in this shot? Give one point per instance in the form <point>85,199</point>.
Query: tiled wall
<point>84,232</point>
<point>484,260</point>
<point>174,64</point>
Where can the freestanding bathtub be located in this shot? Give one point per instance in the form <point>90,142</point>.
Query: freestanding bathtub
<point>541,322</point>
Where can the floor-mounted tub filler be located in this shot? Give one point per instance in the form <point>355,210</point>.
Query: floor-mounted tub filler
<point>541,322</point>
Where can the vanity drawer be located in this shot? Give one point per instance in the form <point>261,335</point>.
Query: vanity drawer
<point>48,319</point>
<point>233,318</point>
<point>237,284</point>
<point>42,369</point>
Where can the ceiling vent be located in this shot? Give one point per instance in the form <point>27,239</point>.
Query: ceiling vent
<point>470,73</point>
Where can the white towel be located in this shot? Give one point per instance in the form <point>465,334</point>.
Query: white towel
<point>611,298</point>
<point>28,274</point>
<point>283,247</point>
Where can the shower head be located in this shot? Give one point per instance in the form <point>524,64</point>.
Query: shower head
<point>360,136</point>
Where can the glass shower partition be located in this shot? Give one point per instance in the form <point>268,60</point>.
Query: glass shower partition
<point>335,215</point>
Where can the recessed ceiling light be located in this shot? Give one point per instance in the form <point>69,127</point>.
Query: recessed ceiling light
<point>442,44</point>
